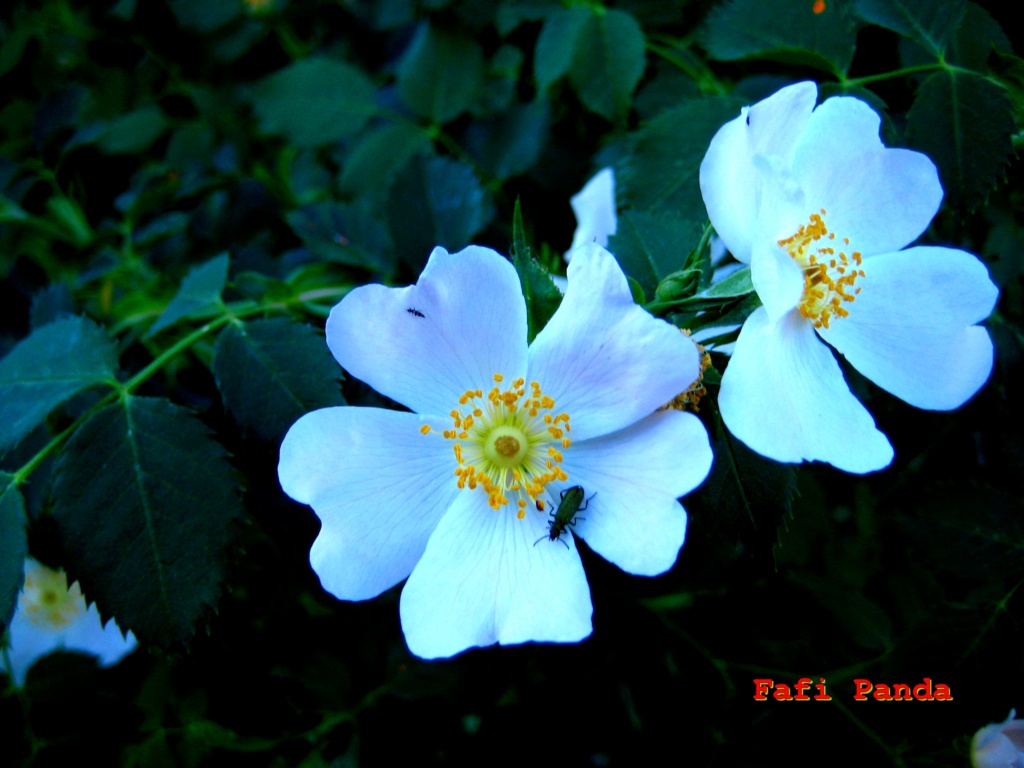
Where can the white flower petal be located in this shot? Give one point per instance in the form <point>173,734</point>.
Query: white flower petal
<point>379,487</point>
<point>482,580</point>
<point>594,206</point>
<point>605,361</point>
<point>633,478</point>
<point>777,278</point>
<point>426,344</point>
<point>783,394</point>
<point>911,329</point>
<point>879,200</point>
<point>729,181</point>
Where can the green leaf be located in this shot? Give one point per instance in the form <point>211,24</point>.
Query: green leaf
<point>732,313</point>
<point>441,74</point>
<point>205,15</point>
<point>272,371</point>
<point>199,291</point>
<point>46,369</point>
<point>560,37</point>
<point>649,246</point>
<point>133,132</point>
<point>145,510</point>
<point>736,284</point>
<point>744,491</point>
<point>608,63</point>
<point>436,201</point>
<point>662,167</point>
<point>13,547</point>
<point>512,144</point>
<point>542,297</point>
<point>346,234</point>
<point>976,36</point>
<point>963,122</point>
<point>784,30</point>
<point>929,23</point>
<point>371,165</point>
<point>314,102</point>
<point>601,50</point>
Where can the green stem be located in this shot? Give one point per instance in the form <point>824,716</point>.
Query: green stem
<point>692,67</point>
<point>227,314</point>
<point>857,81</point>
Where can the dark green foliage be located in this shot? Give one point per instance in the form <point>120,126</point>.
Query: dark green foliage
<point>650,246</point>
<point>200,291</point>
<point>314,102</point>
<point>373,161</point>
<point>786,31</point>
<point>512,144</point>
<point>435,201</point>
<point>270,372</point>
<point>661,170</point>
<point>13,547</point>
<point>602,52</point>
<point>347,234</point>
<point>441,75</point>
<point>963,123</point>
<point>929,23</point>
<point>146,507</point>
<point>56,362</point>
<point>132,132</point>
<point>745,491</point>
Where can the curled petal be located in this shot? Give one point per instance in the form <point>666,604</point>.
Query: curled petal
<point>377,484</point>
<point>481,580</point>
<point>594,206</point>
<point>463,321</point>
<point>911,329</point>
<point>633,478</point>
<point>732,185</point>
<point>604,360</point>
<point>784,396</point>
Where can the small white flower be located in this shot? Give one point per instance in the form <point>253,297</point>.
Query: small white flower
<point>820,209</point>
<point>449,495</point>
<point>50,616</point>
<point>999,745</point>
<point>594,206</point>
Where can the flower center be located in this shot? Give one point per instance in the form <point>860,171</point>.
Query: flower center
<point>829,274</point>
<point>508,443</point>
<point>46,600</point>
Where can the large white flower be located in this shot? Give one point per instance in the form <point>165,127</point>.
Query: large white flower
<point>51,616</point>
<point>450,494</point>
<point>820,209</point>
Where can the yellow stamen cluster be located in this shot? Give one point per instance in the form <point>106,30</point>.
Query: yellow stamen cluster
<point>829,274</point>
<point>46,601</point>
<point>508,443</point>
<point>690,398</point>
